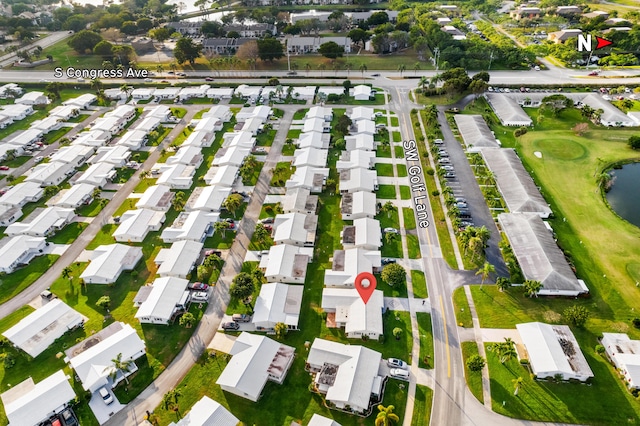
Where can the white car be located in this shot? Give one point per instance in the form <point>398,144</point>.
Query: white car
<point>391,231</point>
<point>397,363</point>
<point>399,373</point>
<point>106,396</point>
<point>201,296</point>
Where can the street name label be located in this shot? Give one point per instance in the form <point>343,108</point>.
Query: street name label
<point>418,187</point>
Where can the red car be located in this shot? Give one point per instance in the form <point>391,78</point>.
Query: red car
<point>208,79</point>
<point>199,286</point>
<point>4,168</point>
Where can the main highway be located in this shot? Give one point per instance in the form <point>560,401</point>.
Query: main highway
<point>453,404</point>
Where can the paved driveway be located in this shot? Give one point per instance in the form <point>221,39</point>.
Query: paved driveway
<point>103,411</point>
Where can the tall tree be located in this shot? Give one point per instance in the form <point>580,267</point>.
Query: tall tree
<point>232,203</point>
<point>386,416</point>
<point>119,366</point>
<point>187,50</point>
<point>532,288</point>
<point>270,49</point>
<point>485,271</point>
<point>331,50</point>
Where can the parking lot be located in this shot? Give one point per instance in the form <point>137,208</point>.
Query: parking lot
<point>464,185</point>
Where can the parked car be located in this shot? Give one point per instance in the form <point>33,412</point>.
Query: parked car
<point>398,373</point>
<point>449,175</point>
<point>438,141</point>
<point>391,231</point>
<point>444,160</point>
<point>208,79</point>
<point>231,222</point>
<point>387,261</point>
<point>397,363</point>
<point>443,153</point>
<point>266,220</point>
<point>38,159</point>
<point>260,150</point>
<point>292,73</point>
<point>447,168</point>
<point>4,168</point>
<point>241,318</point>
<point>230,326</point>
<point>201,296</point>
<point>181,74</point>
<point>199,286</point>
<point>212,252</point>
<point>106,396</point>
<point>375,75</point>
<point>461,200</point>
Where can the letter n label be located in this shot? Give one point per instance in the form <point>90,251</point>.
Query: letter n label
<point>584,43</point>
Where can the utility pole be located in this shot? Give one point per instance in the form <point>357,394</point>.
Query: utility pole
<point>490,60</point>
<point>436,56</point>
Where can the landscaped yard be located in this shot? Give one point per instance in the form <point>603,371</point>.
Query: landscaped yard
<point>413,246</point>
<point>402,170</point>
<point>265,138</point>
<point>384,169</point>
<point>383,151</point>
<point>389,291</point>
<point>474,378</point>
<point>405,192</point>
<point>282,173</point>
<point>104,236</point>
<point>253,179</point>
<point>386,192</point>
<point>426,339</point>
<point>294,133</point>
<point>419,284</point>
<point>409,218</point>
<point>422,406</point>
<point>299,114</point>
<point>392,247</point>
<point>90,210</point>
<point>397,137</point>
<point>461,307</point>
<point>69,233</point>
<point>13,283</point>
<point>389,219</point>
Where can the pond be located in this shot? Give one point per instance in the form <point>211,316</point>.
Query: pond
<point>624,196</point>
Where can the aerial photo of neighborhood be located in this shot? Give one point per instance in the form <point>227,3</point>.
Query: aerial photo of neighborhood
<point>319,212</point>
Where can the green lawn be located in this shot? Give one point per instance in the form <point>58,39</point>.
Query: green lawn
<point>402,170</point>
<point>144,184</point>
<point>474,378</point>
<point>405,192</point>
<point>383,151</point>
<point>419,284</point>
<point>461,306</point>
<point>16,161</point>
<point>64,56</point>
<point>397,137</point>
<point>422,406</point>
<point>383,169</point>
<point>90,210</point>
<point>282,173</point>
<point>389,219</point>
<point>409,218</point>
<point>220,240</point>
<point>392,248</point>
<point>399,151</point>
<point>14,318</point>
<point>179,112</point>
<point>299,114</point>
<point>265,138</point>
<point>413,246</point>
<point>604,402</point>
<point>426,340</point>
<point>294,133</point>
<point>394,121</point>
<point>14,283</point>
<point>389,291</point>
<point>69,233</point>
<point>288,149</point>
<point>386,192</point>
<point>55,135</point>
<point>78,119</point>
<point>103,237</point>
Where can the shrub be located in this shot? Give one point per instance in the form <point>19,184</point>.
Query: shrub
<point>435,192</point>
<point>430,172</point>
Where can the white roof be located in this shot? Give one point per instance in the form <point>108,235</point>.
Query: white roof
<point>313,125</point>
<point>160,111</point>
<point>252,363</point>
<point>21,193</point>
<point>72,197</point>
<point>94,137</point>
<point>248,91</point>
<point>108,262</point>
<point>117,154</point>
<point>276,303</point>
<point>357,369</point>
<point>288,261</point>
<point>362,90</point>
<point>475,132</point>
<point>313,157</point>
<point>133,138</point>
<point>97,174</point>
<point>122,111</point>
<point>209,124</point>
<point>207,412</point>
<point>221,112</point>
<point>156,197</point>
<point>549,347</point>
<point>368,232</point>
<point>148,124</point>
<point>318,420</point>
<point>360,141</point>
<point>361,113</point>
<point>135,224</point>
<point>72,153</point>
<point>17,247</point>
<point>170,92</point>
<point>223,176</point>
<point>199,138</point>
<point>240,139</point>
<point>166,292</point>
<point>307,177</point>
<point>95,363</point>
<point>356,159</point>
<point>208,198</point>
<point>351,310</point>
<point>40,223</point>
<point>514,182</point>
<point>63,111</point>
<point>358,179</point>
<point>143,91</point>
<point>300,200</point>
<point>15,110</point>
<point>261,111</point>
<point>45,172</point>
<point>305,91</point>
<point>220,92</point>
<point>29,403</point>
<point>347,264</point>
<point>314,140</point>
<point>177,175</point>
<point>625,354</point>
<point>319,112</point>
<point>190,226</point>
<point>296,227</point>
<point>508,110</point>
<point>366,126</point>
<point>189,155</point>
<point>34,333</point>
<point>32,97</point>
<point>82,100</point>
<point>233,156</point>
<point>179,259</point>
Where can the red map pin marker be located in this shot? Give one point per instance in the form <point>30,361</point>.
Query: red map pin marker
<point>365,284</point>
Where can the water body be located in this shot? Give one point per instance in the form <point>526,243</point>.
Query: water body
<point>624,195</point>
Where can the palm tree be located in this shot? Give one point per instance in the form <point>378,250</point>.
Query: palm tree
<point>363,68</point>
<point>232,203</point>
<point>386,416</point>
<point>307,67</point>
<point>261,232</point>
<point>390,237</point>
<point>517,384</point>
<point>159,69</point>
<point>221,226</point>
<point>604,180</point>
<point>402,68</point>
<point>389,208</point>
<point>484,271</point>
<point>336,68</point>
<point>348,66</point>
<point>423,82</point>
<point>503,283</point>
<point>126,89</point>
<point>119,366</point>
<point>66,273</point>
<point>504,350</point>
<point>475,244</point>
<point>96,84</point>
<point>322,67</point>
<point>416,67</point>
<point>532,288</point>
